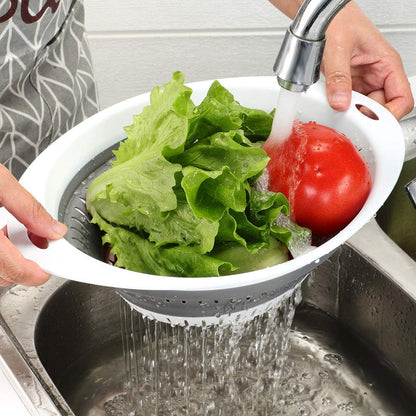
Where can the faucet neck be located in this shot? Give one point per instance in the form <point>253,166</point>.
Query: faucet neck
<point>314,17</point>
<point>299,60</point>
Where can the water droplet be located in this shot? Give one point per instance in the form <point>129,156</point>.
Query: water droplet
<point>304,412</point>
<point>346,407</point>
<point>334,359</point>
<point>326,401</point>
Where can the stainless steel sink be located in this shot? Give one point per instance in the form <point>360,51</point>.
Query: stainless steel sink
<point>397,217</point>
<point>62,342</point>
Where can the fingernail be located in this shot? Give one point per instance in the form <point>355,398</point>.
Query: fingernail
<point>59,228</point>
<point>339,100</point>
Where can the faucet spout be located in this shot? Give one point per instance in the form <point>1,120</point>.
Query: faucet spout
<point>299,60</point>
<point>411,191</point>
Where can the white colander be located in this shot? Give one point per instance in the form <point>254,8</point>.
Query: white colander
<point>59,176</point>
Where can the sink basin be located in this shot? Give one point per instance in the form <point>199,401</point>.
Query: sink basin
<point>352,343</point>
<point>93,373</point>
<point>397,217</point>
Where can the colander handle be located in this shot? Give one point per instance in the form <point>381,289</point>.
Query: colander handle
<point>408,123</point>
<point>367,107</point>
<point>62,259</point>
<point>59,254</point>
<point>3,217</point>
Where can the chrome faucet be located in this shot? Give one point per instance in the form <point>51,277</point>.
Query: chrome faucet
<point>411,190</point>
<point>298,63</point>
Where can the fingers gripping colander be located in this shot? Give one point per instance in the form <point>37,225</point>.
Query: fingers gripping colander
<point>59,177</point>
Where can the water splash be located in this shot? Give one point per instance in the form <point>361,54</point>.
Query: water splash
<point>301,241</point>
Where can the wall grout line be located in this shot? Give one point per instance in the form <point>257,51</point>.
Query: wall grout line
<point>187,33</point>
<point>405,28</point>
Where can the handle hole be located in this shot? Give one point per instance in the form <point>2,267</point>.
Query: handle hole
<point>39,242</point>
<point>366,111</point>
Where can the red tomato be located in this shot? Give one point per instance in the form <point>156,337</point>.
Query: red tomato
<point>324,177</point>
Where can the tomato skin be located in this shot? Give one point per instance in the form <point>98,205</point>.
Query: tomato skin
<point>324,177</point>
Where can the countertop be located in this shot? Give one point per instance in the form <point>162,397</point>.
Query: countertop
<point>11,403</point>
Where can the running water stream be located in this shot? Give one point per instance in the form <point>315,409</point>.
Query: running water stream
<point>284,124</point>
<point>216,370</point>
<point>286,108</point>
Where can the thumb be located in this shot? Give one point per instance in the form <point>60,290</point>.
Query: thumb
<point>336,68</point>
<point>24,207</point>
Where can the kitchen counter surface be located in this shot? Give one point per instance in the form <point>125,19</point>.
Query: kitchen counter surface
<point>11,403</point>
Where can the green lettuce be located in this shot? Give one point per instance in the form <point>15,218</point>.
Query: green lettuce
<point>179,198</point>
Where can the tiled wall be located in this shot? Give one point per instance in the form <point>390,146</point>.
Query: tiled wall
<point>137,44</point>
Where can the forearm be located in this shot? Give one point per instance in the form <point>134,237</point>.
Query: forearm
<point>288,7</point>
<point>291,7</point>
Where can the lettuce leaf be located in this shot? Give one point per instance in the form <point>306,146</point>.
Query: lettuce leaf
<point>220,112</point>
<point>135,252</point>
<point>178,198</point>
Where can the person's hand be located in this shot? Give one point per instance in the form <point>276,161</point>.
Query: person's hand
<point>14,268</point>
<point>358,57</point>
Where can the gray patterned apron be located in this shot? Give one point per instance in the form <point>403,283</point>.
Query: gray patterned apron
<point>46,78</point>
